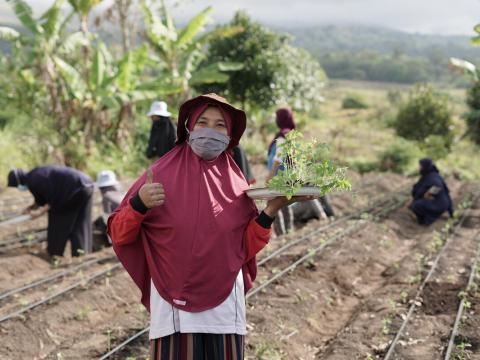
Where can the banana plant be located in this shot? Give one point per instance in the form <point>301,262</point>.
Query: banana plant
<point>181,50</point>
<point>39,50</point>
<point>111,86</point>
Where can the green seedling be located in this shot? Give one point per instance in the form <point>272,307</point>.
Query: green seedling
<point>30,237</point>
<point>110,339</point>
<point>329,300</point>
<point>55,262</point>
<point>393,305</point>
<point>307,164</point>
<point>463,352</point>
<point>437,241</point>
<point>23,302</point>
<point>366,216</point>
<point>415,279</point>
<point>82,314</point>
<point>265,351</point>
<point>387,323</point>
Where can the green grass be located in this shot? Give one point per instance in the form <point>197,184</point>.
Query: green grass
<point>356,137</point>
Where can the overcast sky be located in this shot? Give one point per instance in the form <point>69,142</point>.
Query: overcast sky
<point>422,16</point>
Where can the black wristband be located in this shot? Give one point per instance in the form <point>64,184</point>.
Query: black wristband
<point>264,220</point>
<point>138,205</point>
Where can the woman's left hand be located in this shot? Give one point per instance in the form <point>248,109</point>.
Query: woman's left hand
<point>275,204</point>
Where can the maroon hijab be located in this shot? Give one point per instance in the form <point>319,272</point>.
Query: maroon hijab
<point>285,123</point>
<point>192,246</point>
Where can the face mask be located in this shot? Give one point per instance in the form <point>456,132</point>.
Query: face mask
<point>22,187</point>
<point>208,143</point>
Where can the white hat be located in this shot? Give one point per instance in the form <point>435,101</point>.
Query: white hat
<point>106,178</point>
<point>159,108</point>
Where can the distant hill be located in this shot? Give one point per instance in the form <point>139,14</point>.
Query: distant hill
<point>368,53</point>
<point>354,39</point>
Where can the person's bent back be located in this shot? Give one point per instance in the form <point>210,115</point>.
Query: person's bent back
<point>431,196</point>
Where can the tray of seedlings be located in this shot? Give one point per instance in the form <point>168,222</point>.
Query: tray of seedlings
<point>307,170</point>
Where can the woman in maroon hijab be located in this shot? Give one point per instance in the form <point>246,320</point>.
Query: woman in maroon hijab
<point>187,234</point>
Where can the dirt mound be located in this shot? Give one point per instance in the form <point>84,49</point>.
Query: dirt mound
<point>30,266</point>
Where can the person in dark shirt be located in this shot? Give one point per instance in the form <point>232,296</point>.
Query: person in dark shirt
<point>66,194</point>
<point>431,196</point>
<point>163,131</point>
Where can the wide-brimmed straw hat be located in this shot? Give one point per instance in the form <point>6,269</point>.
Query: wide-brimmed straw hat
<point>239,118</point>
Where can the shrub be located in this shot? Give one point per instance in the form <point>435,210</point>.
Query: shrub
<point>473,96</point>
<point>363,165</point>
<point>399,157</point>
<point>435,147</point>
<point>354,102</point>
<point>425,113</point>
<point>473,124</point>
<point>394,97</point>
<point>473,117</point>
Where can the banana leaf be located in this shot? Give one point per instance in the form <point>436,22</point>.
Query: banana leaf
<point>97,71</point>
<point>50,20</point>
<point>25,15</point>
<point>73,80</point>
<point>194,27</point>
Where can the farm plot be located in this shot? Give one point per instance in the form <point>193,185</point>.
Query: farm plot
<point>98,315</point>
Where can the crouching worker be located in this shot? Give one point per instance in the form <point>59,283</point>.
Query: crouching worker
<point>318,209</point>
<point>66,194</point>
<point>431,196</point>
<point>112,196</point>
<point>187,234</point>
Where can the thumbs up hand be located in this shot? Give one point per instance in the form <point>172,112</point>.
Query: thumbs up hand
<point>151,193</point>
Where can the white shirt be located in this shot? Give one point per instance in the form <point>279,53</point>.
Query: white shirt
<point>227,318</point>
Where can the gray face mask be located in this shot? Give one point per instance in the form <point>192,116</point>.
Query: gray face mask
<point>208,143</point>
